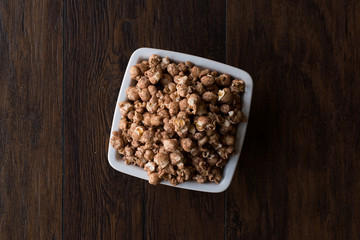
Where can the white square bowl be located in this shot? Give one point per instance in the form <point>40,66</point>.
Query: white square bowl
<point>144,53</point>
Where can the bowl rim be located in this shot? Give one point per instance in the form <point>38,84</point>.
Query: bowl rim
<point>228,173</point>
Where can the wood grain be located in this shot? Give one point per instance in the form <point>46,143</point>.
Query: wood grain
<point>299,171</point>
<point>99,41</point>
<point>99,203</point>
<point>31,119</point>
<point>173,213</point>
<point>61,65</point>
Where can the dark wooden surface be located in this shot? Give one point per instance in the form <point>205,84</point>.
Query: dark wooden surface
<point>61,65</point>
<point>31,102</point>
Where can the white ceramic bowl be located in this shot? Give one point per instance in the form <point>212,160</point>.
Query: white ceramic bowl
<point>144,53</point>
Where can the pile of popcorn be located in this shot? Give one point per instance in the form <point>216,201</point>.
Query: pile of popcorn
<point>180,121</point>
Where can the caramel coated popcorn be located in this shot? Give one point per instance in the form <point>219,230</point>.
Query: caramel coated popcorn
<point>179,121</point>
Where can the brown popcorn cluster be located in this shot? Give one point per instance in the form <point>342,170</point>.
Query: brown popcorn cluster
<point>179,122</point>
